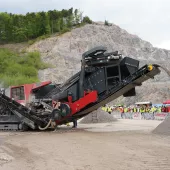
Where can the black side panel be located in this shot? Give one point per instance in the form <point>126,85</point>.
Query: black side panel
<point>96,81</point>
<point>113,75</point>
<point>40,93</point>
<point>128,66</point>
<point>73,90</point>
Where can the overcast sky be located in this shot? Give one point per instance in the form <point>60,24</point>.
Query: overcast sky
<point>149,19</point>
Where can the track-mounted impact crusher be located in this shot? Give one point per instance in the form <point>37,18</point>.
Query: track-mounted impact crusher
<point>103,77</point>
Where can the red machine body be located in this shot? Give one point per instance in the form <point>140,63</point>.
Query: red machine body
<point>89,97</point>
<point>22,93</point>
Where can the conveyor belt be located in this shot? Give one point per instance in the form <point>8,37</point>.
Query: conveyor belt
<point>24,114</point>
<point>136,79</point>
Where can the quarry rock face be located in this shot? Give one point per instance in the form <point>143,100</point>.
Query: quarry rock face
<point>64,54</point>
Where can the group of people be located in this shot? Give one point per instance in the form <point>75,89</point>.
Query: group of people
<point>137,108</point>
<point>124,109</point>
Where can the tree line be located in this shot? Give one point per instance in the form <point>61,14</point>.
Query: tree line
<point>20,28</point>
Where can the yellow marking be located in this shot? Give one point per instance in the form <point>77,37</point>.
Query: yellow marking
<point>150,67</point>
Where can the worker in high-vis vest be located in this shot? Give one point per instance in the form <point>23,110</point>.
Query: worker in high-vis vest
<point>104,108</point>
<point>121,111</point>
<point>142,110</point>
<point>159,109</point>
<point>125,110</point>
<point>109,110</point>
<point>134,109</point>
<point>153,109</point>
<point>147,110</point>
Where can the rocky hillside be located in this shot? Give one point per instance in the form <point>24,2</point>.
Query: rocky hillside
<point>64,53</point>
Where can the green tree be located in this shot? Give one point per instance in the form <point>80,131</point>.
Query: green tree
<point>76,16</point>
<point>106,22</point>
<point>86,19</point>
<point>47,24</point>
<point>70,20</point>
<point>5,27</point>
<point>62,24</point>
<point>19,28</point>
<point>57,27</point>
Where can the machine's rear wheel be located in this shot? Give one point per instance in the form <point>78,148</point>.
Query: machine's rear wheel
<point>65,109</point>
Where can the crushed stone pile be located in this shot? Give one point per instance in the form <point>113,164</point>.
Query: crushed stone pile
<point>98,116</point>
<point>163,128</point>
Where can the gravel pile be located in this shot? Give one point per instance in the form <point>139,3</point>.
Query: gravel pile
<point>98,116</point>
<point>163,128</point>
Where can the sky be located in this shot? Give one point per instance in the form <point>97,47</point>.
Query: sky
<point>149,19</point>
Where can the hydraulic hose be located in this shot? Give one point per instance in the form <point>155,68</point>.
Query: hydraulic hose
<point>46,127</point>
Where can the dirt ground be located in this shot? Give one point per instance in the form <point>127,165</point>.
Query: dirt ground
<point>121,145</point>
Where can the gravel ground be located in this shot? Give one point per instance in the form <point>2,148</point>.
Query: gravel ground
<point>120,145</point>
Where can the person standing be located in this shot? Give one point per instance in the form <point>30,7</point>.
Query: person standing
<point>109,110</point>
<point>74,123</point>
<point>122,112</point>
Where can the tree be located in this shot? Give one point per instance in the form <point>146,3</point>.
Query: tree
<point>70,20</point>
<point>5,27</point>
<point>57,27</point>
<point>70,11</point>
<point>19,28</point>
<point>19,34</point>
<point>106,22</point>
<point>62,24</point>
<point>64,13</point>
<point>47,24</point>
<point>31,25</point>
<point>76,16</point>
<point>86,19</point>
